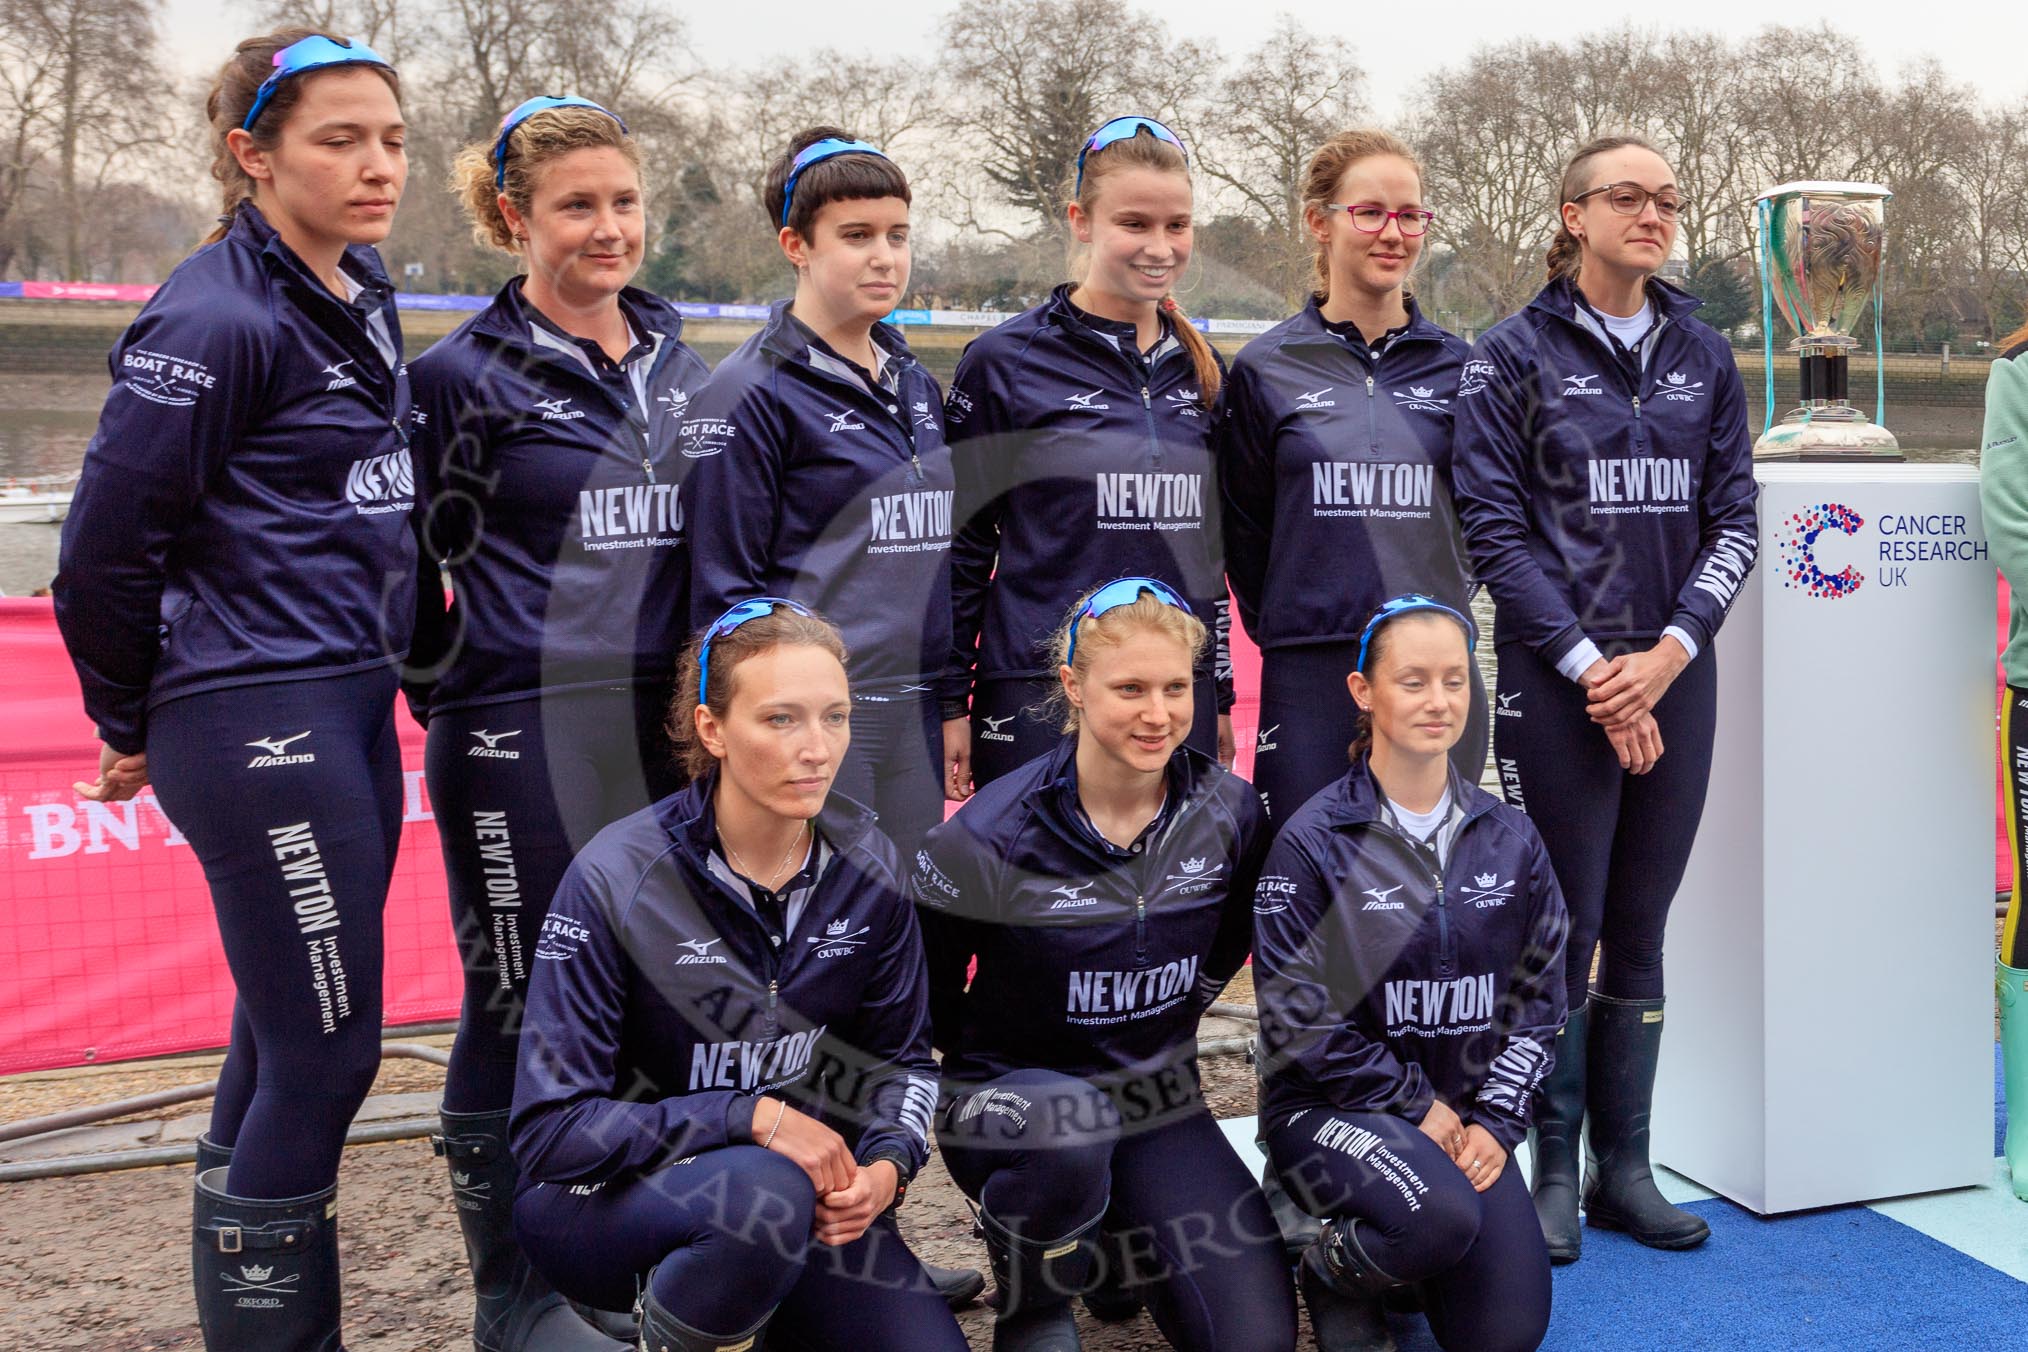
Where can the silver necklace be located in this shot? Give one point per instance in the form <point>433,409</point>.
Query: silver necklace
<point>740,863</point>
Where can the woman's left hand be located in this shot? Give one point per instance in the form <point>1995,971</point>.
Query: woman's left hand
<point>1634,683</point>
<point>1227,748</point>
<point>843,1216</point>
<point>1481,1157</point>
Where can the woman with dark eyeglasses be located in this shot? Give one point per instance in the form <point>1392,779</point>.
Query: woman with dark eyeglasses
<point>1604,475</point>
<point>548,488</point>
<point>1080,437</point>
<point>1105,888</point>
<point>236,591</point>
<point>1409,938</point>
<point>725,1081</point>
<point>1334,465</point>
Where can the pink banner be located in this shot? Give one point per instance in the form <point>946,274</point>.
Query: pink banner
<point>108,948</point>
<point>85,291</point>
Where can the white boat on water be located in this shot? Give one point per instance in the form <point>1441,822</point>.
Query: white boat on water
<point>44,500</point>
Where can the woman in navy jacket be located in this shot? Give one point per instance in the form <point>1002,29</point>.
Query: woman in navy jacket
<point>1604,475</point>
<point>1408,961</point>
<point>1334,465</point>
<point>1104,888</point>
<point>820,460</point>
<point>725,1080</point>
<point>235,591</point>
<point>548,486</point>
<point>1080,438</point>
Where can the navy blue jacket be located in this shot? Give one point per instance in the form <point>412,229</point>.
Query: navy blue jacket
<point>1334,468</point>
<point>1094,960</point>
<point>659,1010</point>
<point>1076,464</point>
<point>1605,495</point>
<point>243,515</point>
<point>808,485</point>
<point>553,493</point>
<point>1385,981</point>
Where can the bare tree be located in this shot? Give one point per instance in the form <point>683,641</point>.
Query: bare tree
<point>377,23</point>
<point>1993,169</point>
<point>1266,119</point>
<point>1036,76</point>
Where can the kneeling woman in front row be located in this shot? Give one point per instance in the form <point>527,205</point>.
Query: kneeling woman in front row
<point>725,1082</point>
<point>1104,888</point>
<point>1408,959</point>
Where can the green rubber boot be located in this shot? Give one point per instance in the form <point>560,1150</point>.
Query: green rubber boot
<point>2013,987</point>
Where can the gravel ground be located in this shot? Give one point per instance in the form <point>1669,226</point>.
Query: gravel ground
<point>68,1285</point>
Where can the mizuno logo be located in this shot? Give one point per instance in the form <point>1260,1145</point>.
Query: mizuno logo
<point>558,410</point>
<point>492,746</point>
<point>1084,401</point>
<point>1507,700</point>
<point>339,380</point>
<point>1316,399</point>
<point>700,951</point>
<point>842,422</point>
<point>1574,385</point>
<point>1264,739</point>
<point>1072,897</point>
<point>1380,900</point>
<point>993,731</point>
<point>277,752</point>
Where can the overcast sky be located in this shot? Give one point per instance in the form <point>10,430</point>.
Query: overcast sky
<point>1397,44</point>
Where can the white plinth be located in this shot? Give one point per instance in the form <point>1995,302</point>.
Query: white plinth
<point>1830,1018</point>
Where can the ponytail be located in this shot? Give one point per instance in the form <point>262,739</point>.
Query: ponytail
<point>1199,347</point>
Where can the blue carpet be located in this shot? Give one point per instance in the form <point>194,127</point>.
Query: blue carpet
<point>1846,1279</point>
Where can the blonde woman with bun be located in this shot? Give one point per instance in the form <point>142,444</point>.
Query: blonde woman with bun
<point>548,487</point>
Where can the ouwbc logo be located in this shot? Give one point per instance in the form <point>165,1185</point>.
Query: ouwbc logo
<point>1797,546</point>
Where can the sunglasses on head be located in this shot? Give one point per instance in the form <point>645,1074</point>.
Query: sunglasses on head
<point>732,619</point>
<point>1120,129</point>
<point>540,104</point>
<point>1112,596</point>
<point>1406,604</point>
<point>312,53</point>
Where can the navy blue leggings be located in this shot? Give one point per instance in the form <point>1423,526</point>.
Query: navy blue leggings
<point>1008,729</point>
<point>1307,719</point>
<point>895,764</point>
<point>1478,1257</point>
<point>290,794</point>
<point>1041,1153</point>
<point>734,1224</point>
<point>1619,842</point>
<point>518,788</point>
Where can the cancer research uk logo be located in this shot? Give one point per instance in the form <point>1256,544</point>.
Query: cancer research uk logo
<point>1797,546</point>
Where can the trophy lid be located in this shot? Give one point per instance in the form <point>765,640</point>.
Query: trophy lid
<point>1826,187</point>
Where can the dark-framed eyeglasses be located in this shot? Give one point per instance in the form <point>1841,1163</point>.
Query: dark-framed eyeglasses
<point>1630,199</point>
<point>1371,218</point>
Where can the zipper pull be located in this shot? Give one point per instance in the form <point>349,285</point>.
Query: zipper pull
<point>1146,400</point>
<point>1369,387</point>
<point>1637,408</point>
<point>648,468</point>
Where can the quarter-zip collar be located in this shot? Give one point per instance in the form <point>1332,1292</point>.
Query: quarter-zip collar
<point>790,339</point>
<point>251,230</point>
<point>1308,325</point>
<point>1360,802</point>
<point>1112,335</point>
<point>1564,301</point>
<point>1065,812</point>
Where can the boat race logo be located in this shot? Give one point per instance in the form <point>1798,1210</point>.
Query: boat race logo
<point>165,379</point>
<point>1796,547</point>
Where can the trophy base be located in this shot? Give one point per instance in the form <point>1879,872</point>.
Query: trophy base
<point>1822,440</point>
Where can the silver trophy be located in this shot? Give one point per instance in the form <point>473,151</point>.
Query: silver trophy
<point>1820,252</point>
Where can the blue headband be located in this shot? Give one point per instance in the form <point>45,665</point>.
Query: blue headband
<point>1112,596</point>
<point>1408,604</point>
<point>542,103</point>
<point>816,152</point>
<point>312,53</point>
<point>733,618</point>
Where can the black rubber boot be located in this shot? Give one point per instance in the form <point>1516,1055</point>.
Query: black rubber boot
<point>958,1286</point>
<point>211,1156</point>
<point>1619,1190</point>
<point>517,1311</point>
<point>1343,1290</point>
<point>1553,1142</point>
<point>664,1332</point>
<point>265,1273</point>
<point>1112,1298</point>
<point>1036,1280</point>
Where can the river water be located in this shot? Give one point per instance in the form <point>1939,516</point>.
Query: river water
<point>45,422</point>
